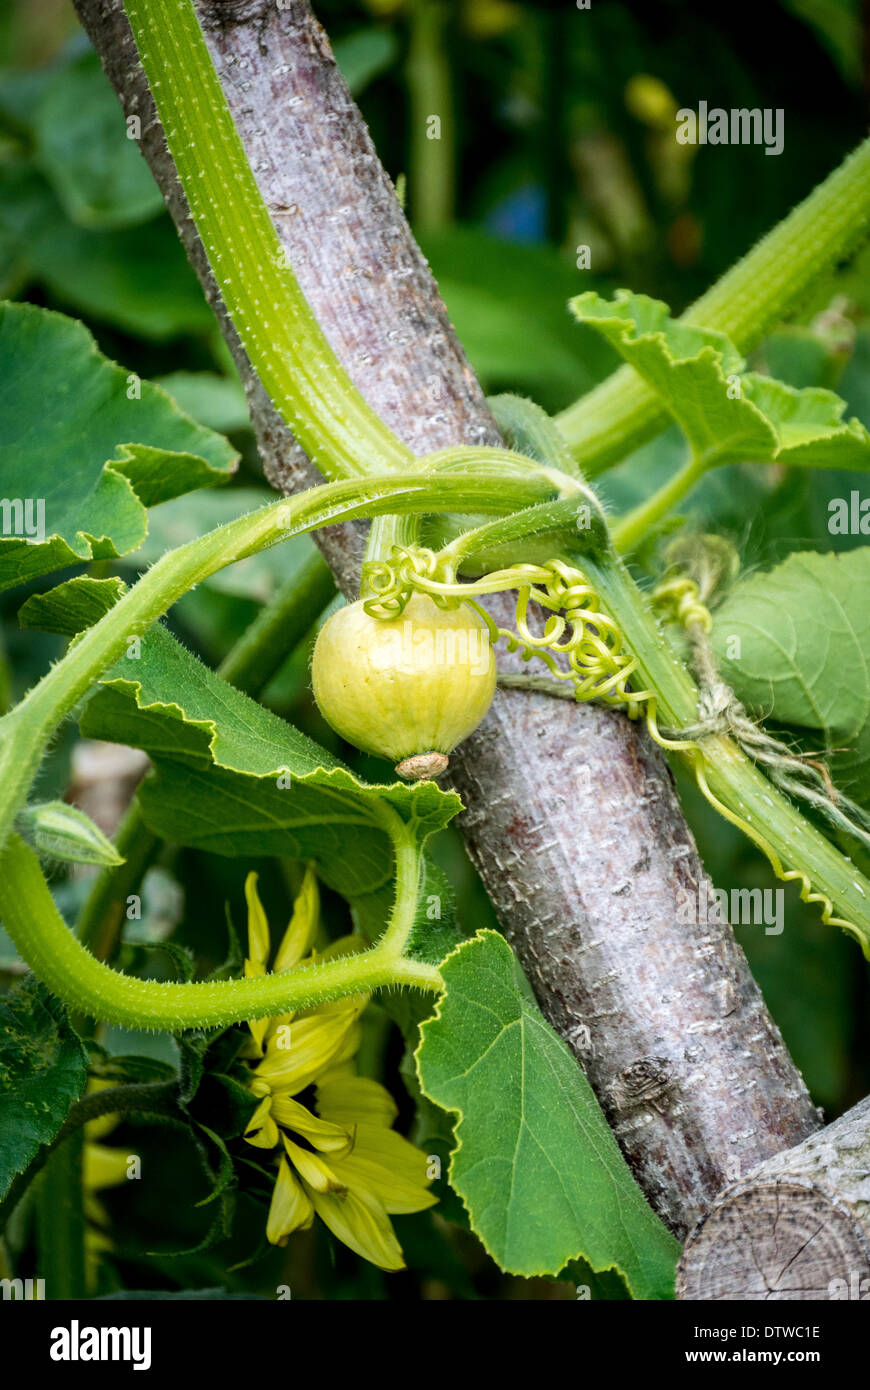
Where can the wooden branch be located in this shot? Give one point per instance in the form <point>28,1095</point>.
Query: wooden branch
<point>798,1227</point>
<point>572,816</point>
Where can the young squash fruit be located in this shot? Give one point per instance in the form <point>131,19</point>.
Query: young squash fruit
<point>408,688</point>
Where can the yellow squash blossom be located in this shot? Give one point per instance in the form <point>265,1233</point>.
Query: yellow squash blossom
<point>340,1159</point>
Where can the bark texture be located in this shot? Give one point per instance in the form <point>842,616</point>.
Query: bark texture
<point>572,817</point>
<point>796,1228</point>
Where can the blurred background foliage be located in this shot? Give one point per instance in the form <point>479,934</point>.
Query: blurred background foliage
<point>556,171</point>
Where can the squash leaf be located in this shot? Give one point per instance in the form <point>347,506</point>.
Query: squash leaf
<point>536,1163</point>
<point>727,415</point>
<point>87,448</point>
<point>794,643</point>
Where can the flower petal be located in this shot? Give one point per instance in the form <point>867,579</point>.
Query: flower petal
<point>362,1224</point>
<point>321,1134</point>
<point>259,1026</point>
<point>258,926</point>
<point>349,1100</point>
<point>314,1171</point>
<point>290,1209</point>
<point>299,936</point>
<point>262,1130</point>
<point>275,1022</point>
<point>294,1059</point>
<point>383,1165</point>
<point>349,1046</point>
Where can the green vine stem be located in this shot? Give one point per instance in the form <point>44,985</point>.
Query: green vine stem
<point>386,534</point>
<point>623,412</point>
<point>26,907</point>
<point>307,384</point>
<point>88,986</point>
<point>407,874</point>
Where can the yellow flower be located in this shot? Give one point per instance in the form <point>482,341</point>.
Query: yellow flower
<point>340,1159</point>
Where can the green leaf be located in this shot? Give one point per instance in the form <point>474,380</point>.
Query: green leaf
<point>224,1104</point>
<point>43,1069</point>
<point>136,278</point>
<point>71,607</point>
<point>78,603</point>
<point>536,1163</point>
<point>234,779</point>
<point>728,416</point>
<point>82,147</point>
<point>809,425</point>
<point>794,643</point>
<point>88,448</point>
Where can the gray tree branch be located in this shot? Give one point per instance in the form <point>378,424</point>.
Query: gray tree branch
<point>572,818</point>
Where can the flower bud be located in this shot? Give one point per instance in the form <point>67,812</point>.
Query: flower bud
<point>64,832</point>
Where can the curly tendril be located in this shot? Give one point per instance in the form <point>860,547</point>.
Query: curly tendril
<point>682,597</point>
<point>390,583</point>
<point>580,644</point>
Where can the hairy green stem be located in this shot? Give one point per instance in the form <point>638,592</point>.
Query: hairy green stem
<point>623,412</point>
<point>88,986</point>
<point>386,534</point>
<point>407,876</point>
<point>307,384</point>
<point>26,907</point>
<point>563,475</point>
